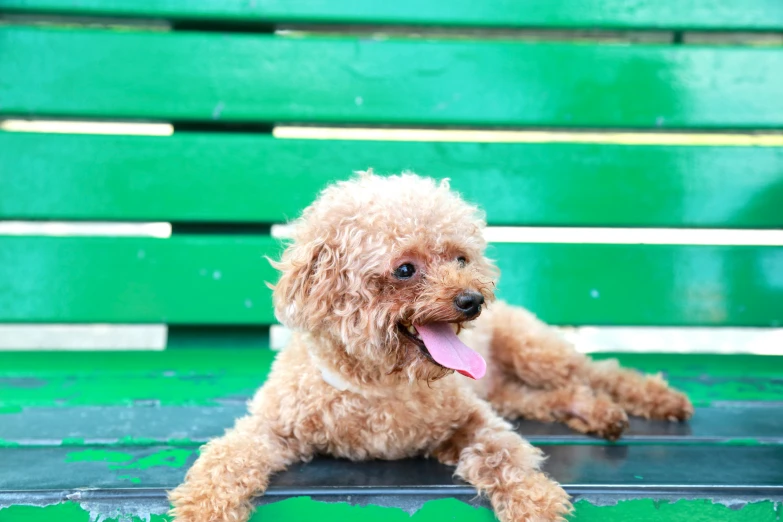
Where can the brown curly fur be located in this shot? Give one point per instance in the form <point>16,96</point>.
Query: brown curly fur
<point>391,401</point>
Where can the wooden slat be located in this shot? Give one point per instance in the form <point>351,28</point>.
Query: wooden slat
<point>209,77</point>
<point>611,14</point>
<point>251,178</point>
<point>617,505</point>
<point>750,424</point>
<point>660,467</point>
<point>212,376</point>
<point>219,280</point>
<point>191,279</point>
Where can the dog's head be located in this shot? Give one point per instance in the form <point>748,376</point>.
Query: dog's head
<point>389,269</point>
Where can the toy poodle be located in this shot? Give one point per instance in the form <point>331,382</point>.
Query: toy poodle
<point>399,351</point>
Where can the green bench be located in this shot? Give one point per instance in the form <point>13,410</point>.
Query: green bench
<point>666,133</point>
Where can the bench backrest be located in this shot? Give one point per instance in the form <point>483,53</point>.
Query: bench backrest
<point>681,136</point>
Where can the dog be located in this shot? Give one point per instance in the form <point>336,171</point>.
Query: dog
<point>399,351</point>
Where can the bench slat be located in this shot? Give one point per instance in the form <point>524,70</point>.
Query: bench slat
<point>146,425</point>
<point>248,178</point>
<point>745,504</point>
<point>240,77</point>
<point>214,377</point>
<point>220,280</point>
<point>659,466</point>
<point>606,14</point>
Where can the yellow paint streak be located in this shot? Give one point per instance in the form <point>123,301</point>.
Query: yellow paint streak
<point>529,136</point>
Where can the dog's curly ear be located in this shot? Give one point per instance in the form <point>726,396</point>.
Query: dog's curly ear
<point>294,294</point>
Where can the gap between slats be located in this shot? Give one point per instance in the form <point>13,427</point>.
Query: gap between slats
<point>655,36</point>
<point>615,137</point>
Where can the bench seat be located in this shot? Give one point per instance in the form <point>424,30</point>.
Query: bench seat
<point>109,433</point>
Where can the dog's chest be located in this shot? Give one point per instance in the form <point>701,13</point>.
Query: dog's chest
<point>389,427</point>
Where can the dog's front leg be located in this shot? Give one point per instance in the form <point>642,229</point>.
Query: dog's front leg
<point>506,468</point>
<point>230,471</point>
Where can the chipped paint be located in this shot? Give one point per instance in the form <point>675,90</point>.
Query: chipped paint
<point>172,458</point>
<point>305,508</point>
<point>108,513</point>
<point>98,455</point>
<point>208,377</point>
<point>118,460</point>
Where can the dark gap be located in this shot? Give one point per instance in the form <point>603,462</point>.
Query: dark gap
<point>678,38</point>
<point>241,229</point>
<point>639,34</point>
<point>221,126</point>
<point>200,336</point>
<point>225,26</point>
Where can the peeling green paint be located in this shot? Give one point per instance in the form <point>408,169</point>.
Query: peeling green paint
<point>441,510</point>
<point>684,441</point>
<point>207,376</point>
<point>98,455</point>
<point>171,377</point>
<point>118,460</point>
<point>172,458</point>
<point>647,510</point>
<point>133,480</point>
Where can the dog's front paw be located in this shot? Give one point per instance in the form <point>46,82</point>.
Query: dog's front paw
<point>192,503</point>
<point>536,499</point>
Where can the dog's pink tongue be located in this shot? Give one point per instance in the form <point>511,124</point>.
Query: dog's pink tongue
<point>447,350</point>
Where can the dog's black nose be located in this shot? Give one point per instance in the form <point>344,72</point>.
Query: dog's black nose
<point>469,303</point>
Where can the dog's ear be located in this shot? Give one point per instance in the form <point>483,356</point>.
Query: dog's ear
<point>294,294</point>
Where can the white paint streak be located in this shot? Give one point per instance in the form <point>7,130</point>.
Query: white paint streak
<point>598,339</point>
<point>501,136</point>
<point>616,236</point>
<point>160,230</point>
<point>23,337</point>
<point>88,127</point>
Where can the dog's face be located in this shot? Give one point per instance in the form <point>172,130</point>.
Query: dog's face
<point>391,268</point>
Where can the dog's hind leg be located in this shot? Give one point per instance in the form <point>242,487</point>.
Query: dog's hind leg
<point>523,348</point>
<point>576,405</point>
<point>643,395</point>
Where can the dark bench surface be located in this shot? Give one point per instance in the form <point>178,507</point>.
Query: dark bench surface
<point>128,425</point>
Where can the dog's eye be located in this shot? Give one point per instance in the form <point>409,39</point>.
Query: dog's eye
<point>462,260</point>
<point>405,271</point>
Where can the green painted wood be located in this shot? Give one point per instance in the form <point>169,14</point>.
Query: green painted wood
<point>305,508</point>
<point>174,377</point>
<point>210,377</point>
<point>242,77</point>
<point>644,284</point>
<point>251,178</point>
<point>660,466</point>
<point>605,14</point>
<point>145,425</point>
<point>191,279</point>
